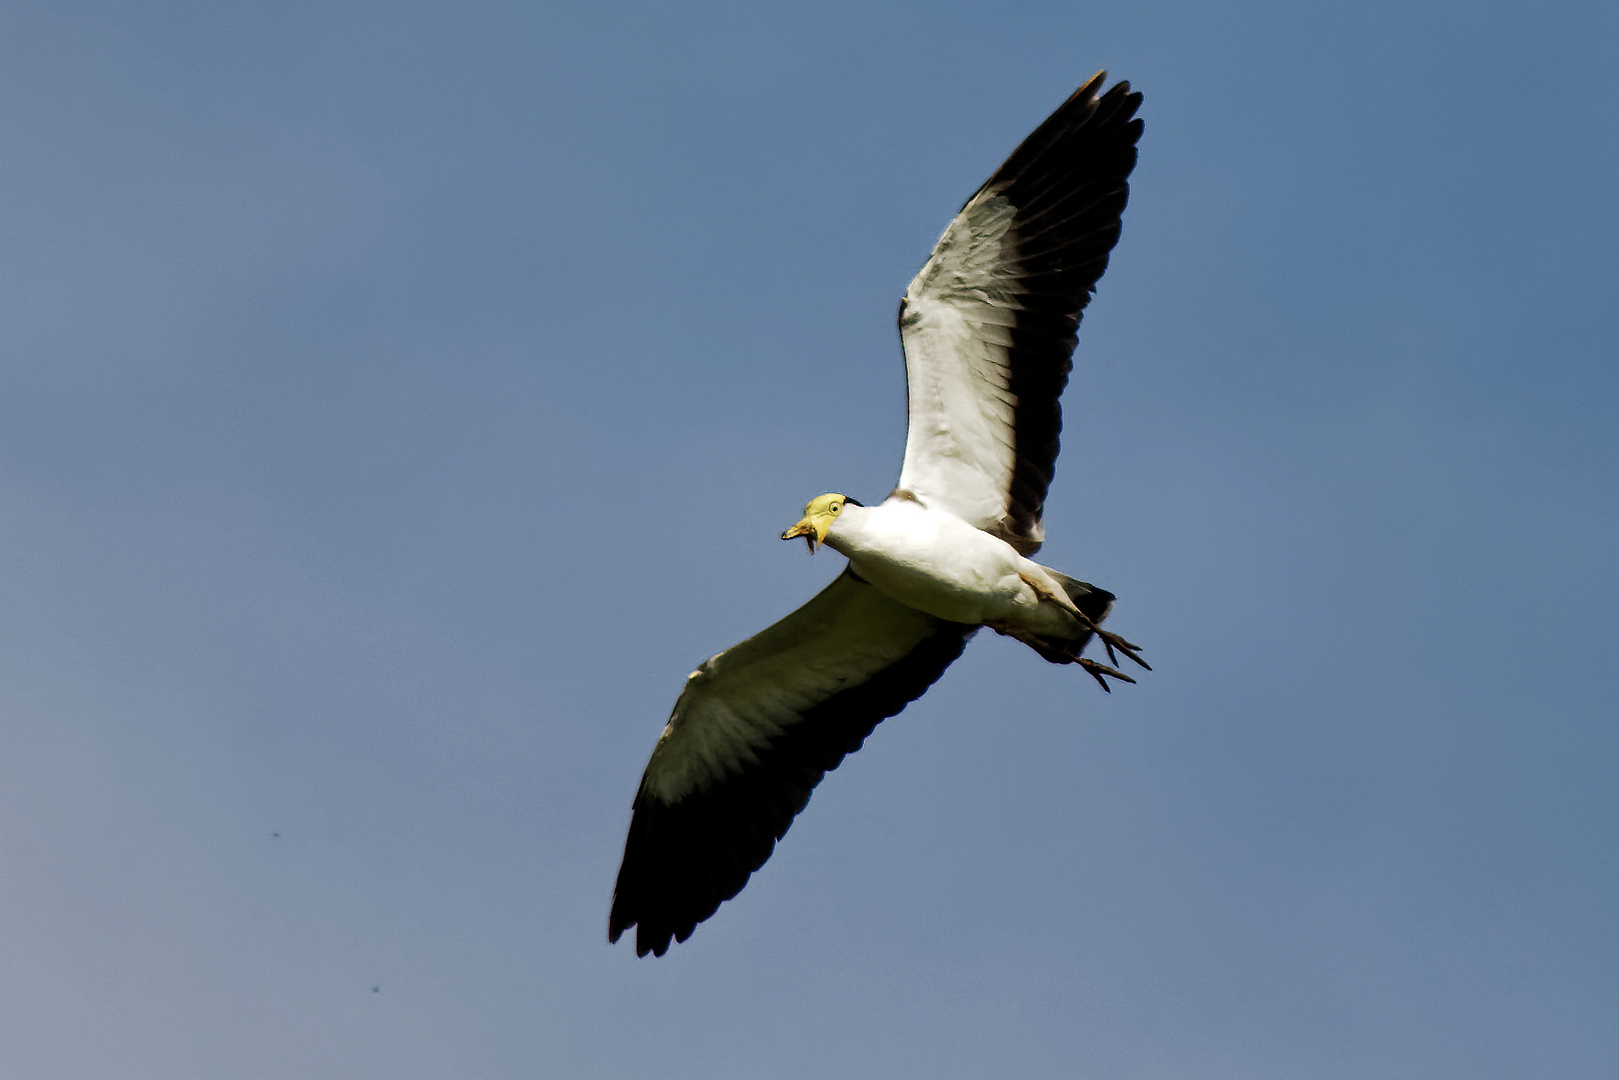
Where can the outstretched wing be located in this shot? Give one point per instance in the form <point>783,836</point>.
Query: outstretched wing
<point>988,323</point>
<point>752,733</point>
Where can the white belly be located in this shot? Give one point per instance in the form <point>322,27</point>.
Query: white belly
<point>933,561</point>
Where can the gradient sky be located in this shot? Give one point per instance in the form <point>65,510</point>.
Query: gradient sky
<point>398,399</point>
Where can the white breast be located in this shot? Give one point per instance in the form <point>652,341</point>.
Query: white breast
<point>930,560</point>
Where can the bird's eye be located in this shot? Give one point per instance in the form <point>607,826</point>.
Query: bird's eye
<point>835,507</point>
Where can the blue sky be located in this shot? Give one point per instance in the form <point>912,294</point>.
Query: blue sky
<point>397,400</point>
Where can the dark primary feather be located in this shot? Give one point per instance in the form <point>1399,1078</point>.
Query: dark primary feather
<point>684,858</point>
<point>1068,184</point>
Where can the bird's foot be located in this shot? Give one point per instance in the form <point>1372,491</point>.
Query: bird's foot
<point>1111,641</point>
<point>1097,671</point>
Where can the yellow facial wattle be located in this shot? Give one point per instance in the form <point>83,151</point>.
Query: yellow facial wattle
<point>819,514</point>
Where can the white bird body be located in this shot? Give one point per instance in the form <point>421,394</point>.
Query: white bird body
<point>935,562</point>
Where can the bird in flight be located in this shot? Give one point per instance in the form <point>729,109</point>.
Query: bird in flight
<point>988,328</point>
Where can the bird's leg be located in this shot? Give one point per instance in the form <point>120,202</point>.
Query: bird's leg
<point>1044,593</point>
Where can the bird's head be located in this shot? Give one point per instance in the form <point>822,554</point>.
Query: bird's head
<point>819,515</point>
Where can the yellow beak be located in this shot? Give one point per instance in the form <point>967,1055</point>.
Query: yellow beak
<point>813,532</point>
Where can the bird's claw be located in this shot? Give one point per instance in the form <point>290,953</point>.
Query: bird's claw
<point>1111,641</point>
<point>1098,670</point>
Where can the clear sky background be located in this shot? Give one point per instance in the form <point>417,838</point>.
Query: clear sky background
<point>398,399</point>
